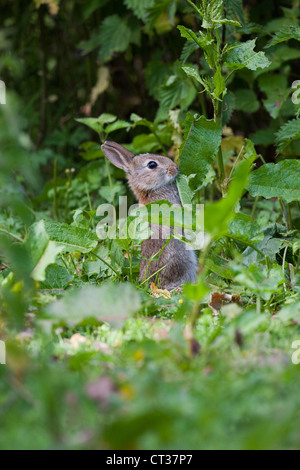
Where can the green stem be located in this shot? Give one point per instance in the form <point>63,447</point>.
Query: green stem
<point>11,235</point>
<point>254,207</point>
<point>107,264</point>
<point>194,6</point>
<point>286,215</point>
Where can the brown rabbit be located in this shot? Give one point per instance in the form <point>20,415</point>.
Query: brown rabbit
<point>151,178</point>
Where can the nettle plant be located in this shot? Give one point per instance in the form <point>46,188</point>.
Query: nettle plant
<point>222,59</point>
<point>219,57</point>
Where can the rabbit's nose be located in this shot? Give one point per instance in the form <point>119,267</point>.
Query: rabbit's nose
<point>172,170</point>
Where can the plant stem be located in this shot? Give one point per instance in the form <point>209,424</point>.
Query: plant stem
<point>107,264</point>
<point>89,202</point>
<point>286,215</point>
<point>218,120</point>
<point>11,235</point>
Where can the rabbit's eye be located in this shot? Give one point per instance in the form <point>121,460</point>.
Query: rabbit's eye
<point>152,165</point>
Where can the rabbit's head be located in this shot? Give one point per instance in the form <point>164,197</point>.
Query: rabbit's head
<point>146,172</point>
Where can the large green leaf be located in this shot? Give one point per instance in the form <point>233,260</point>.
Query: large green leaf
<point>112,303</point>
<point>140,7</point>
<point>202,139</point>
<point>277,180</point>
<point>276,88</point>
<point>242,228</point>
<point>185,192</point>
<point>246,100</point>
<point>291,31</point>
<point>47,239</point>
<point>114,36</point>
<point>243,55</point>
<point>287,133</point>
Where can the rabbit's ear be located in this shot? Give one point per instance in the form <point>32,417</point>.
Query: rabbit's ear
<point>118,155</point>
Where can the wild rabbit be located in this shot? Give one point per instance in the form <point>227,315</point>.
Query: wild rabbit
<point>151,178</point>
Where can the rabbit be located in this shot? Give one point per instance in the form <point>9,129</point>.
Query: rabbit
<point>152,178</point>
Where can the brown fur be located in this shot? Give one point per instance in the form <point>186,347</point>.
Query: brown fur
<point>150,185</point>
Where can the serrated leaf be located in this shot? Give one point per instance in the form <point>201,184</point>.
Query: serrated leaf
<point>140,8</point>
<point>275,87</point>
<point>57,277</point>
<point>114,36</point>
<point>235,8</point>
<point>202,41</point>
<point>287,133</point>
<point>156,74</point>
<point>277,180</point>
<point>119,124</point>
<point>243,55</point>
<point>226,21</point>
<point>98,123</point>
<point>188,49</point>
<point>202,139</point>
<point>242,228</point>
<point>228,106</point>
<point>47,239</point>
<point>291,31</point>
<point>176,92</point>
<point>185,192</point>
<point>193,73</point>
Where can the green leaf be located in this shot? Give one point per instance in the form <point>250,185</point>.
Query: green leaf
<point>290,312</point>
<point>112,303</point>
<point>193,73</point>
<point>114,36</point>
<point>275,87</point>
<point>291,31</point>
<point>140,8</point>
<point>90,151</point>
<point>242,228</point>
<point>202,41</point>
<point>98,123</point>
<point>109,192</point>
<point>246,100</point>
<point>242,55</point>
<point>261,280</point>
<point>219,82</point>
<point>202,139</point>
<point>287,133</point>
<point>57,277</point>
<point>47,239</point>
<point>188,49</point>
<point>235,8</point>
<point>277,180</point>
<point>176,92</point>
